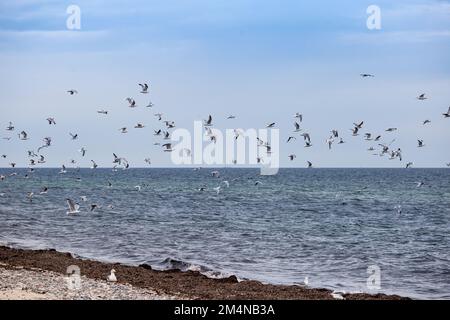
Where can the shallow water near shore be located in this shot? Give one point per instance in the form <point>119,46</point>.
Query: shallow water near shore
<point>329,225</point>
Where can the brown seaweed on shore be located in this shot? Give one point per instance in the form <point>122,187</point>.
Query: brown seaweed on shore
<point>191,284</point>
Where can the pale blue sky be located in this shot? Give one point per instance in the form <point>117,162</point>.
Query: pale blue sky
<point>260,60</point>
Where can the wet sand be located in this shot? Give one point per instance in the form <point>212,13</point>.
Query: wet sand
<point>169,284</point>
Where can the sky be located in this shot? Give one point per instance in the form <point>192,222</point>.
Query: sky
<point>261,61</point>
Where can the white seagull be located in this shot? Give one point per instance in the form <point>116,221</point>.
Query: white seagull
<point>208,123</point>
<point>73,207</point>
<point>422,97</point>
<point>144,87</point>
<point>112,276</point>
<point>447,115</point>
<point>132,103</point>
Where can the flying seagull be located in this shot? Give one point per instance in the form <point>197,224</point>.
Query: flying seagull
<point>297,127</point>
<point>366,75</point>
<point>94,165</point>
<point>102,111</point>
<point>74,136</point>
<point>335,133</point>
<point>231,117</point>
<point>51,121</point>
<point>10,127</point>
<point>270,125</point>
<point>72,92</point>
<point>299,116</point>
<point>290,138</point>
<point>292,157</point>
<point>82,151</point>
<point>144,87</point>
<point>420,143</point>
<point>208,123</point>
<point>23,136</point>
<point>73,207</point>
<point>427,121</point>
<point>359,125</point>
<point>408,165</point>
<point>422,97</point>
<point>168,147</point>
<point>63,169</point>
<point>132,103</point>
<point>447,115</point>
<point>355,131</point>
<point>309,164</point>
<point>329,141</point>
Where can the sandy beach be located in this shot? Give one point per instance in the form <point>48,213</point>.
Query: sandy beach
<point>18,283</point>
<point>41,274</point>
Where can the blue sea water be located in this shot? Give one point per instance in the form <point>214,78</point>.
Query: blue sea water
<point>329,225</point>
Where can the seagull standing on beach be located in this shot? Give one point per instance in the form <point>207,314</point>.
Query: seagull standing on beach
<point>112,276</point>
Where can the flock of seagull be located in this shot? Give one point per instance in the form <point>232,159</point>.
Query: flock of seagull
<point>36,158</point>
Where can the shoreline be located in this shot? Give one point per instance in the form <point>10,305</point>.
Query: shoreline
<point>165,284</point>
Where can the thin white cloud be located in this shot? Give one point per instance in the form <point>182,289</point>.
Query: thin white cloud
<point>51,34</point>
<point>409,10</point>
<point>409,36</point>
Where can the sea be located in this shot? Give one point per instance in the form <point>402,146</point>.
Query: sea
<point>349,230</point>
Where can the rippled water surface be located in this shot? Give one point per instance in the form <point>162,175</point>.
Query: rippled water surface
<point>327,224</point>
